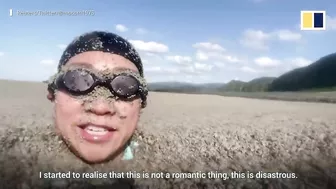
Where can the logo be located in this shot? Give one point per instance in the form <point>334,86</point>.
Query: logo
<point>313,20</point>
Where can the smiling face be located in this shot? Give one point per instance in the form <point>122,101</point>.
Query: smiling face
<point>99,129</point>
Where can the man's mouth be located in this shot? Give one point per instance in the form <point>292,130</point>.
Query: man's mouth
<point>96,133</point>
<point>95,130</point>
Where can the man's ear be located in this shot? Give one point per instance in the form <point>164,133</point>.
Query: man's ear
<point>51,96</point>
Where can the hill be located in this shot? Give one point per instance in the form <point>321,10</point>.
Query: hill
<point>258,85</point>
<point>174,87</point>
<point>318,75</point>
<point>234,85</point>
<point>255,85</point>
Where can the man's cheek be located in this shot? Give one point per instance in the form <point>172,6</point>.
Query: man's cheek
<point>68,108</point>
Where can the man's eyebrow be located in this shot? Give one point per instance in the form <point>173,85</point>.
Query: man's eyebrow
<point>82,64</point>
<point>118,69</point>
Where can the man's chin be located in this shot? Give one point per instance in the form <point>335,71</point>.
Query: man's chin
<point>94,154</point>
<point>95,158</point>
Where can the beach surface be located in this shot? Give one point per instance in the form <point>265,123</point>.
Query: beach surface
<point>206,132</point>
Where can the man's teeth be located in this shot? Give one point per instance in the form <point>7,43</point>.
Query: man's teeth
<point>96,130</point>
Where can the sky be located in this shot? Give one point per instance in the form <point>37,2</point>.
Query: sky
<point>187,41</point>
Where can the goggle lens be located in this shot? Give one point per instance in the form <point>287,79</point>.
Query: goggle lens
<point>124,85</point>
<point>78,80</point>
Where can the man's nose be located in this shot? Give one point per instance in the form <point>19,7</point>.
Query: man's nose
<point>101,107</point>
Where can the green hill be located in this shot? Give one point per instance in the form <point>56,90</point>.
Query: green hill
<point>234,85</point>
<point>319,75</point>
<point>255,85</point>
<point>258,85</point>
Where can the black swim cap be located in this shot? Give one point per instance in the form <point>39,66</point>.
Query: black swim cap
<point>105,42</point>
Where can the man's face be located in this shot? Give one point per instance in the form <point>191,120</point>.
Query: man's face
<point>93,143</point>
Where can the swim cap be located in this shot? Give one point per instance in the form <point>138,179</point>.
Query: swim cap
<point>104,42</point>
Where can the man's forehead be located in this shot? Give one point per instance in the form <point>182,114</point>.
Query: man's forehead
<point>102,61</point>
<point>101,67</point>
<point>92,56</point>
